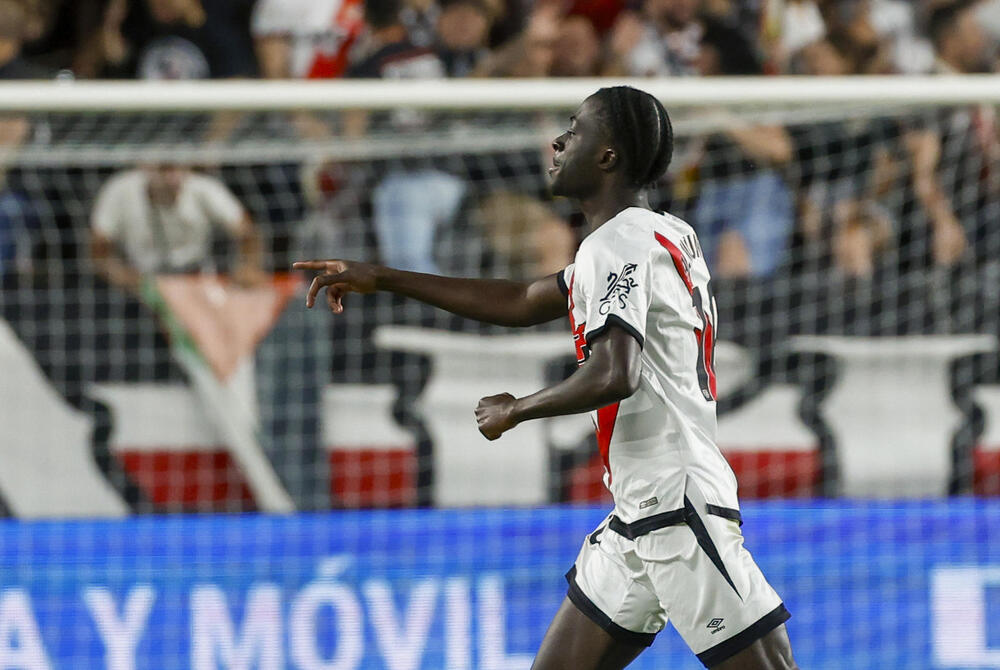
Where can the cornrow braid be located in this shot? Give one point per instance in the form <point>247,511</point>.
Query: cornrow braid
<point>640,129</point>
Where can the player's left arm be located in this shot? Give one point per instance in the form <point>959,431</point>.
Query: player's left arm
<point>251,252</point>
<point>609,375</point>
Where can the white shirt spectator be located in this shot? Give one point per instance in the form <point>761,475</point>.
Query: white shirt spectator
<point>671,55</point>
<point>894,20</point>
<point>164,238</point>
<point>989,16</point>
<point>320,33</point>
<point>801,25</point>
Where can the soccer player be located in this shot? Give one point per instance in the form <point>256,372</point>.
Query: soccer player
<point>643,322</point>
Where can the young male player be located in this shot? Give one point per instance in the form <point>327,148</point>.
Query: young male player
<point>643,321</point>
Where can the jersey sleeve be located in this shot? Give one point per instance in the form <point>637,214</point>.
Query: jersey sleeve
<point>614,281</point>
<point>222,206</point>
<point>562,278</point>
<point>106,218</point>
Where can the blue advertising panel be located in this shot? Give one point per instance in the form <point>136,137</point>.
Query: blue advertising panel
<point>869,585</point>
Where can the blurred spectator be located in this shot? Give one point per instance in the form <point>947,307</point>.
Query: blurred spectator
<point>896,22</point>
<point>528,238</point>
<point>305,39</point>
<point>602,14</point>
<point>861,234</point>
<point>849,26</point>
<point>744,213</point>
<point>463,28</point>
<point>174,39</point>
<point>800,24</point>
<point>420,18</point>
<point>14,129</point>
<point>578,49</point>
<point>60,30</point>
<point>955,153</point>
<point>17,221</point>
<point>732,12</point>
<point>664,39</point>
<point>413,199</point>
<point>841,166</point>
<point>159,219</point>
<point>530,53</point>
<point>18,24</point>
<point>989,17</point>
<point>391,53</point>
<point>16,213</point>
<point>409,208</point>
<point>959,39</point>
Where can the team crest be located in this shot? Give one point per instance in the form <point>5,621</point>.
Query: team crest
<point>620,284</point>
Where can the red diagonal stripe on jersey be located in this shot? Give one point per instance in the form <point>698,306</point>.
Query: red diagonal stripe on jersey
<point>579,341</point>
<point>710,356</point>
<point>606,417</point>
<point>675,254</point>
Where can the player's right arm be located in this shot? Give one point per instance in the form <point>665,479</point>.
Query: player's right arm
<point>497,301</point>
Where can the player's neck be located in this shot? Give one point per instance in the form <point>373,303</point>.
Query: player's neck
<point>606,204</point>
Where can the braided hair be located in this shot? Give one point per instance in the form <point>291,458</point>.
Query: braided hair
<point>640,129</point>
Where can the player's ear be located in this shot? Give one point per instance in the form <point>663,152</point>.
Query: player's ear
<point>608,160</point>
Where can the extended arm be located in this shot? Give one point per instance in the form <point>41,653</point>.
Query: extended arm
<point>610,374</point>
<point>498,301</point>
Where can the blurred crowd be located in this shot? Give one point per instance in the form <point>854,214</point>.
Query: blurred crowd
<point>881,222</point>
<point>889,194</point>
<point>199,39</point>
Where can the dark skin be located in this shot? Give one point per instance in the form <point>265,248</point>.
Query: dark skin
<point>588,169</point>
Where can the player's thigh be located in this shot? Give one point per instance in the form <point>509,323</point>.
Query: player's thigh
<point>574,642</point>
<point>771,652</point>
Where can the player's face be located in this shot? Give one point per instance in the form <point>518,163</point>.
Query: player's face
<point>576,170</point>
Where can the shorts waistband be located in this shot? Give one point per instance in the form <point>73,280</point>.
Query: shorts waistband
<point>674,517</point>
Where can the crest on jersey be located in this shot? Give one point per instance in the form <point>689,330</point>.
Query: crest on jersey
<point>620,284</point>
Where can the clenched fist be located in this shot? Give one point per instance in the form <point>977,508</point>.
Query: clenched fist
<point>495,415</point>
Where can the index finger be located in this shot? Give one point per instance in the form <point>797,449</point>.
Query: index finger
<point>309,265</point>
<point>314,289</point>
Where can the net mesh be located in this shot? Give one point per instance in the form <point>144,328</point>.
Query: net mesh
<point>855,260</point>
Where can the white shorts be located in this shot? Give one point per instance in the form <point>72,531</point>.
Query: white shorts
<point>687,566</point>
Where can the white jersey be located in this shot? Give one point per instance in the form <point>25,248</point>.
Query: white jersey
<point>645,272</point>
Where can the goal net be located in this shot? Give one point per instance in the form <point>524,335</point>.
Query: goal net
<point>158,362</point>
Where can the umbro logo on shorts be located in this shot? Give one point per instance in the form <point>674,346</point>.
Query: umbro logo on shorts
<point>716,625</point>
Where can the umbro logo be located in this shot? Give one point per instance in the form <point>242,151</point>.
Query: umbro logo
<point>716,625</point>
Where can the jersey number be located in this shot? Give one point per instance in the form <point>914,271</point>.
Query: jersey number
<point>706,314</point>
<point>706,341</point>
